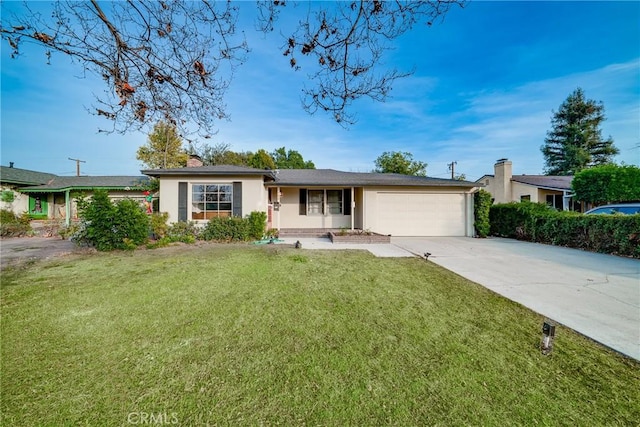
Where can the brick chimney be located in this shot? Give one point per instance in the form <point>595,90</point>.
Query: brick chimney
<point>194,161</point>
<point>503,174</point>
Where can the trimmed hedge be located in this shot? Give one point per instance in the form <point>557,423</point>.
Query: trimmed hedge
<point>613,234</point>
<point>481,208</point>
<point>233,229</point>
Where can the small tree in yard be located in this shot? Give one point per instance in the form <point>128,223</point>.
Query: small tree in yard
<point>108,226</point>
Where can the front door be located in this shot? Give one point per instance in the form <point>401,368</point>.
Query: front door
<point>38,206</point>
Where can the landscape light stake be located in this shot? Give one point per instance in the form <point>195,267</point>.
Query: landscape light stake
<point>548,334</point>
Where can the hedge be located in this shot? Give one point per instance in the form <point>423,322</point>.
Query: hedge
<point>612,234</point>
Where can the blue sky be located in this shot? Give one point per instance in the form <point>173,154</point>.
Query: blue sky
<point>486,81</point>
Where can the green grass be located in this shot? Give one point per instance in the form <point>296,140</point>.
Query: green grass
<point>245,335</point>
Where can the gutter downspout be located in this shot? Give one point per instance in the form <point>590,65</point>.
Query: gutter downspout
<point>566,196</point>
<point>353,208</point>
<point>279,206</point>
<point>67,208</point>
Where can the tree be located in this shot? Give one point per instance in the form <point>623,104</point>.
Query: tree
<point>398,162</point>
<point>607,184</point>
<point>174,60</point>
<point>575,142</point>
<point>290,159</point>
<point>220,154</point>
<point>163,149</point>
<point>261,160</point>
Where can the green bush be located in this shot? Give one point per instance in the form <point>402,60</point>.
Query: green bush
<point>132,224</point>
<point>517,219</point>
<point>481,208</point>
<point>7,196</point>
<point>226,229</point>
<point>614,234</point>
<point>257,224</point>
<point>108,226</point>
<point>183,231</point>
<point>12,225</point>
<point>607,184</point>
<point>159,226</point>
<point>232,229</point>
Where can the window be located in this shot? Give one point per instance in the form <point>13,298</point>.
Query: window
<point>334,202</point>
<point>555,201</point>
<point>211,200</point>
<point>325,202</point>
<point>525,197</point>
<point>316,202</point>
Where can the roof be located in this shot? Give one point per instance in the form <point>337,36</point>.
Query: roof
<point>310,177</point>
<point>314,177</point>
<point>18,176</point>
<point>210,171</point>
<point>545,181</point>
<point>61,183</point>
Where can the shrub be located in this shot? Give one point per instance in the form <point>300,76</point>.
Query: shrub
<point>159,226</point>
<point>607,184</point>
<point>7,196</point>
<point>183,231</point>
<point>481,208</point>
<point>614,234</point>
<point>12,225</point>
<point>132,224</point>
<point>108,226</point>
<point>226,229</point>
<point>257,224</point>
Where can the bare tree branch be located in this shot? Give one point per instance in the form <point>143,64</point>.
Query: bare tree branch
<point>169,61</point>
<point>173,60</point>
<point>342,45</point>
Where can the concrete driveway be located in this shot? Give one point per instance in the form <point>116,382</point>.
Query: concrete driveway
<point>595,294</point>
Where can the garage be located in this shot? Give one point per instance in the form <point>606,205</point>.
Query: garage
<point>421,214</point>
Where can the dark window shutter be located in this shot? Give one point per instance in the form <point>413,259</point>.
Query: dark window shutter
<point>346,201</point>
<point>182,201</point>
<point>303,201</point>
<point>237,199</point>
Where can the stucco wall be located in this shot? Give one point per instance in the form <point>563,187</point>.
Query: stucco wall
<point>254,194</point>
<point>20,202</point>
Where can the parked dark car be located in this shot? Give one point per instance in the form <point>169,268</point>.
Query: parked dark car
<point>625,208</point>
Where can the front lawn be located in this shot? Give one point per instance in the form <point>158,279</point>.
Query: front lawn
<point>266,335</point>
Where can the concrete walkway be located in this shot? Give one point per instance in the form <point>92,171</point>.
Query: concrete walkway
<point>595,294</point>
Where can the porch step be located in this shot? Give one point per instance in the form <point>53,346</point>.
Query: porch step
<point>304,232</point>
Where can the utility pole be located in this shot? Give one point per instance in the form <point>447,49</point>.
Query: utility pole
<point>78,161</point>
<point>452,168</point>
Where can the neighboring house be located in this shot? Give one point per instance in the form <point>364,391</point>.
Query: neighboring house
<point>13,179</point>
<point>320,199</point>
<point>48,196</point>
<point>506,187</point>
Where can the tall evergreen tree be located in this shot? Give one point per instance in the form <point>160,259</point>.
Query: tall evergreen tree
<point>575,142</point>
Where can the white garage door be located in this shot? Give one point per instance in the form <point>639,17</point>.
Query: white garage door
<point>412,214</point>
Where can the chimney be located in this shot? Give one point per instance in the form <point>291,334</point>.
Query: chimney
<point>503,175</point>
<point>10,164</point>
<point>194,161</point>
